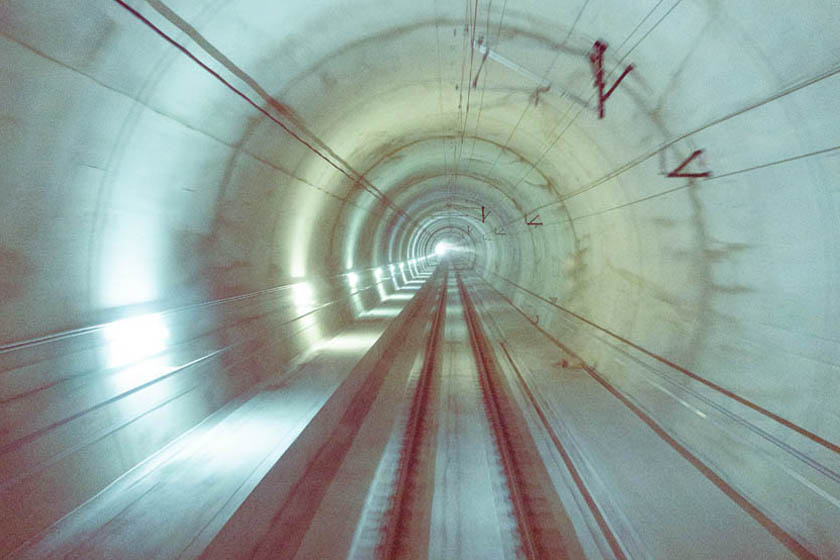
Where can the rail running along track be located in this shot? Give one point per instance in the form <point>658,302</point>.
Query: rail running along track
<point>541,527</point>
<point>458,434</point>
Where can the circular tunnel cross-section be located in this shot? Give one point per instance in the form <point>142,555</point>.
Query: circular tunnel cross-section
<point>420,279</point>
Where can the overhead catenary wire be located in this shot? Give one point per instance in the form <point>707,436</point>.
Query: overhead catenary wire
<point>440,94</point>
<point>351,174</point>
<point>713,178</point>
<point>487,42</point>
<point>593,93</point>
<point>466,109</point>
<point>545,78</point>
<point>714,122</point>
<point>690,184</point>
<point>456,155</point>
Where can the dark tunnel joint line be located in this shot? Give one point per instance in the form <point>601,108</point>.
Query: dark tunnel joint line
<point>643,158</point>
<point>599,92</point>
<point>359,178</point>
<point>675,189</point>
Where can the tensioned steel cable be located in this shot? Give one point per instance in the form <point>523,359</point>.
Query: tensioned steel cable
<point>689,184</point>
<point>440,94</point>
<point>355,176</point>
<point>466,112</point>
<point>644,157</point>
<point>474,80</point>
<point>545,77</point>
<point>456,155</point>
<point>592,95</point>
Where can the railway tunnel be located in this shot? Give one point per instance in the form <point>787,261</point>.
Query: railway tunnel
<point>420,279</point>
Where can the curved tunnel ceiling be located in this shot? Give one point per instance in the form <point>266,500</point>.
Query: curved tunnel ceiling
<point>164,153</point>
<point>344,132</point>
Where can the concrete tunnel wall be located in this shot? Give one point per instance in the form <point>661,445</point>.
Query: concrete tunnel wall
<point>136,182</point>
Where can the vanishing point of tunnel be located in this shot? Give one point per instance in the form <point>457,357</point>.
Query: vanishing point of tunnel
<point>438,279</point>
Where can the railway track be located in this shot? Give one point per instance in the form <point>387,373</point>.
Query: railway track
<point>393,542</point>
<point>544,527</point>
<point>541,527</point>
<point>459,437</point>
<point>622,540</point>
<point>466,457</point>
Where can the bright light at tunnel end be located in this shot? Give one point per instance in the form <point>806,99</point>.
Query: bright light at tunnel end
<point>442,248</point>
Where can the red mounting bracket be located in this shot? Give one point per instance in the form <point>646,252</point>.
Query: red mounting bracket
<point>478,72</point>
<point>533,221</point>
<point>484,215</point>
<point>678,171</point>
<point>538,91</point>
<point>596,62</point>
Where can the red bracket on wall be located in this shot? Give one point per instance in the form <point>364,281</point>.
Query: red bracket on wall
<point>533,221</point>
<point>484,215</point>
<point>483,60</point>
<point>596,62</point>
<point>678,171</point>
<point>538,91</point>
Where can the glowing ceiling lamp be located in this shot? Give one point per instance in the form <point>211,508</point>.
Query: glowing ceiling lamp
<point>136,338</point>
<point>353,280</point>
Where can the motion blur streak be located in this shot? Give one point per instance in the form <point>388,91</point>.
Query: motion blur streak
<point>420,279</point>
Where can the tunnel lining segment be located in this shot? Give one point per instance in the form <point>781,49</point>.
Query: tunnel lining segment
<point>743,501</point>
<point>544,525</point>
<point>722,390</point>
<point>349,173</point>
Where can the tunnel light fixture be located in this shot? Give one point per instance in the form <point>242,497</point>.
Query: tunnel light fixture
<point>384,312</point>
<point>353,280</point>
<point>136,346</point>
<point>394,276</point>
<point>380,289</point>
<point>136,338</point>
<point>304,297</point>
<point>348,343</point>
<point>305,302</point>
